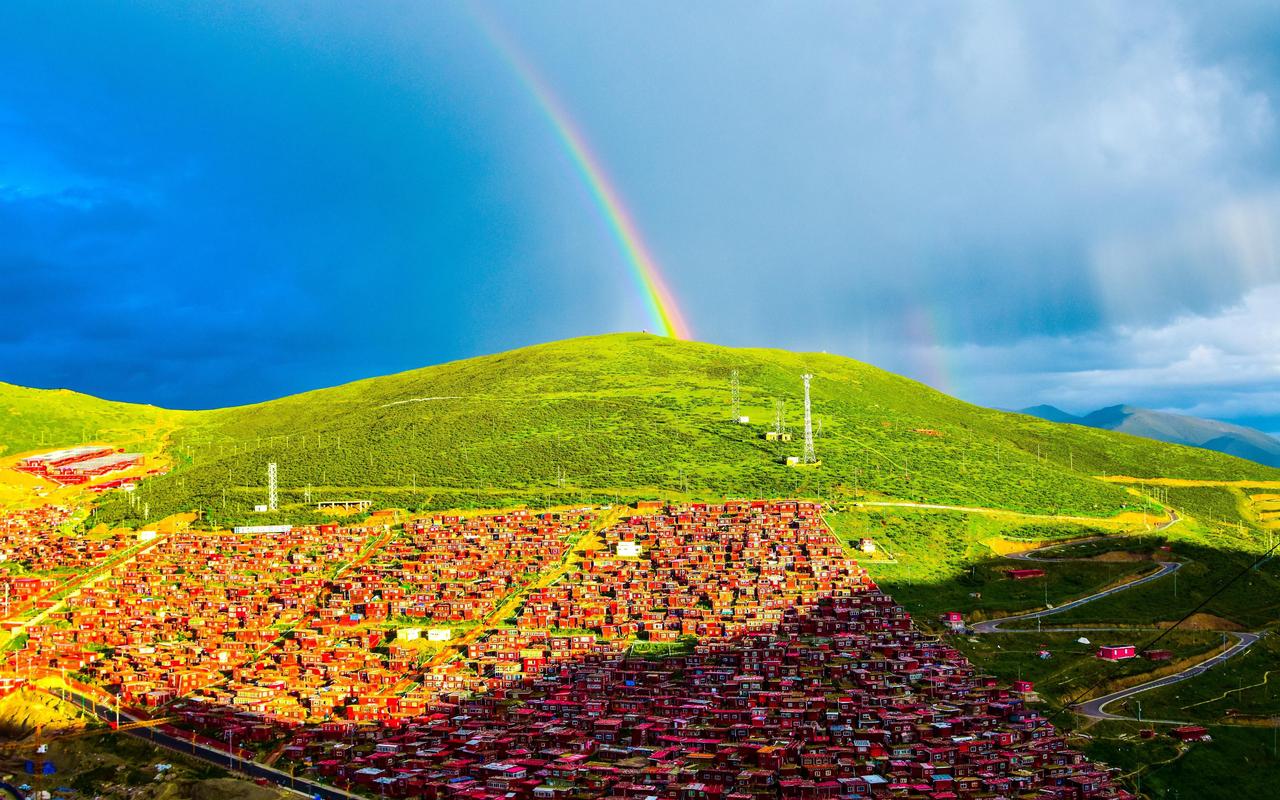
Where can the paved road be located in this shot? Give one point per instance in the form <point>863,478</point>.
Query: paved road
<point>1096,708</point>
<point>995,625</point>
<point>1035,554</point>
<point>213,755</point>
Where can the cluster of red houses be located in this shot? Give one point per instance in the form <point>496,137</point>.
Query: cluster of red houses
<point>191,610</point>
<point>840,700</point>
<point>796,676</point>
<point>455,569</point>
<point>703,570</point>
<point>78,464</point>
<point>36,556</point>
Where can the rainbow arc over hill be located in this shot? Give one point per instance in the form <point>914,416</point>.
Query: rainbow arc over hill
<point>656,294</point>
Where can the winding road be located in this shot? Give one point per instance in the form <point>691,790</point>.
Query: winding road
<point>996,625</point>
<point>1096,708</point>
<point>1035,554</point>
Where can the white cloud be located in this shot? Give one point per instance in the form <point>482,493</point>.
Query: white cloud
<point>1224,365</point>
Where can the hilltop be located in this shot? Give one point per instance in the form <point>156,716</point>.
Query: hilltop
<point>35,418</point>
<point>633,415</point>
<point>1224,437</point>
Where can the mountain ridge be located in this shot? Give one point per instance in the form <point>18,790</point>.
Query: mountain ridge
<point>1224,437</point>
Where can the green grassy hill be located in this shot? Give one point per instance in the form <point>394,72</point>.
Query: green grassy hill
<point>632,415</point>
<point>35,418</point>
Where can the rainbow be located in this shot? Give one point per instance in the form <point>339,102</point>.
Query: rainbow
<point>927,351</point>
<point>658,300</point>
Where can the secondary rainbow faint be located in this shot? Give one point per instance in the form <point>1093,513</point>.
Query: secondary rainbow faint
<point>659,302</point>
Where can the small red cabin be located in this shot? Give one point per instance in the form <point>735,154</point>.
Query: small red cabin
<point>1117,652</point>
<point>1190,733</point>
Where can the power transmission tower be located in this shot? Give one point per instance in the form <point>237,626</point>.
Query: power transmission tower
<point>271,486</point>
<point>733,389</point>
<point>778,406</point>
<point>809,456</point>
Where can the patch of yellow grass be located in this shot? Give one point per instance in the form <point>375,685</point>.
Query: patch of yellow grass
<point>1003,547</point>
<point>1190,482</point>
<point>1135,518</point>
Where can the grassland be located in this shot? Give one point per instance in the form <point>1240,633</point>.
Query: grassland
<point>934,561</point>
<point>1072,666</point>
<point>628,416</point>
<point>1238,763</point>
<point>35,418</point>
<point>1243,691</point>
<point>1213,559</point>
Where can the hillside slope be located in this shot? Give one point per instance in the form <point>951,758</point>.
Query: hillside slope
<point>1224,437</point>
<point>34,418</point>
<point>633,415</point>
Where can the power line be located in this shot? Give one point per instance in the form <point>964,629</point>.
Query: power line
<point>1266,555</point>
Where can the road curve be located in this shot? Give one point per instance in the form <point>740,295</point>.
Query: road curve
<point>1034,554</point>
<point>995,625</point>
<point>1096,708</point>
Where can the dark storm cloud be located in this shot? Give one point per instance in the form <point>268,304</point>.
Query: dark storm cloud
<point>236,203</point>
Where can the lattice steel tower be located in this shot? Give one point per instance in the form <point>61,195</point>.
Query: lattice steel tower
<point>778,424</point>
<point>809,456</point>
<point>271,486</point>
<point>733,389</point>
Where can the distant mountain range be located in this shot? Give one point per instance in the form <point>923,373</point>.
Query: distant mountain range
<point>1235,440</point>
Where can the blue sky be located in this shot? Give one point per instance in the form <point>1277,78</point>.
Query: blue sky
<point>203,204</point>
